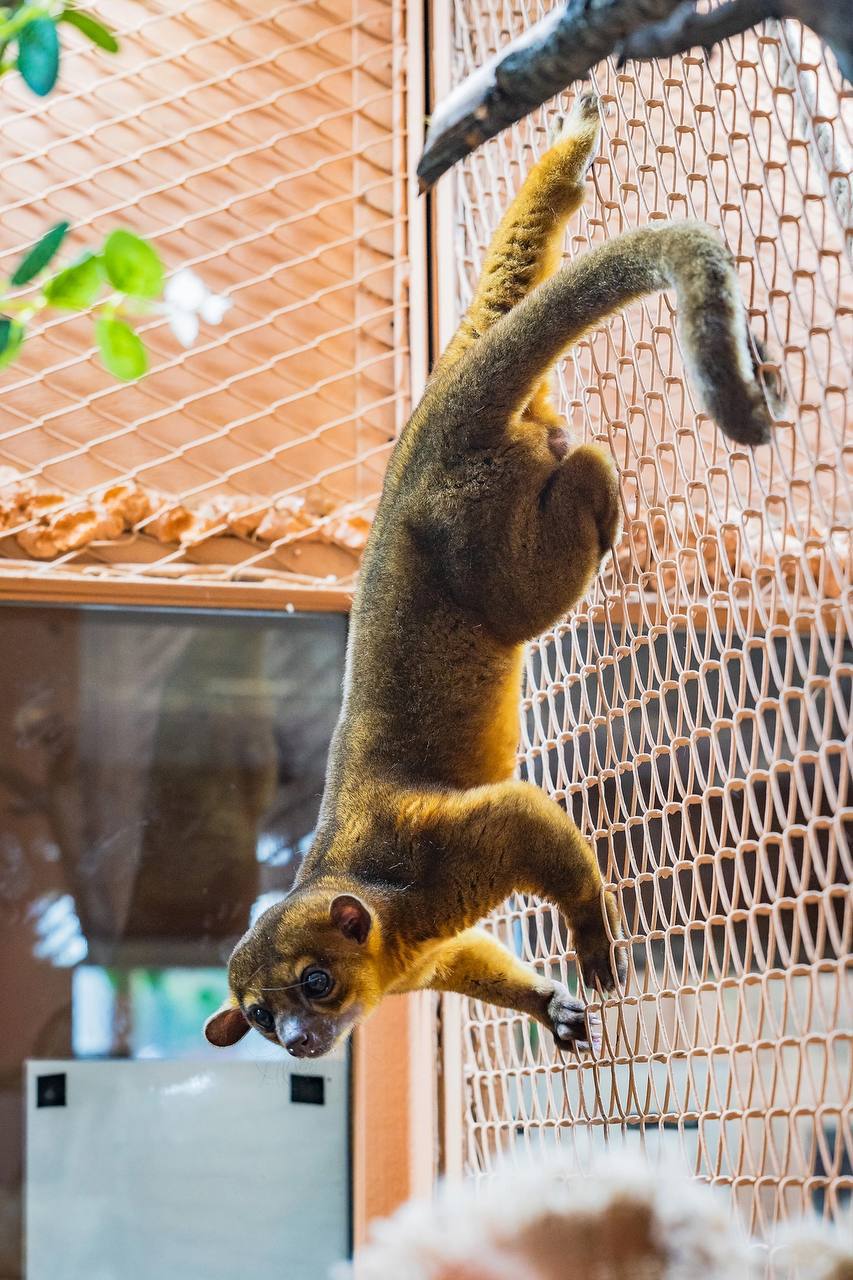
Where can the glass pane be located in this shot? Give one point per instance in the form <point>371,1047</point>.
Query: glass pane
<point>160,776</point>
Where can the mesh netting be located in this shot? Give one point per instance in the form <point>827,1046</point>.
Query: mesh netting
<point>694,713</point>
<point>264,146</point>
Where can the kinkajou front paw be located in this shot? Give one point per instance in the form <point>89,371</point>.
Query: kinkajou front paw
<point>572,1024</point>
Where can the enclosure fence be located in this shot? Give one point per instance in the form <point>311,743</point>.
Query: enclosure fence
<point>262,145</point>
<point>694,713</point>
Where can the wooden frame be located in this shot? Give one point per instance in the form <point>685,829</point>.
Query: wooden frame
<point>394,1108</point>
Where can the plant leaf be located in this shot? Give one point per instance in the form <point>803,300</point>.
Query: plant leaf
<point>11,339</point>
<point>38,55</point>
<point>91,28</point>
<point>77,286</point>
<point>132,265</point>
<point>121,349</point>
<point>40,254</point>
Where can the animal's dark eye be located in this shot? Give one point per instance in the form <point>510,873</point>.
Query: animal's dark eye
<point>262,1017</point>
<point>317,983</point>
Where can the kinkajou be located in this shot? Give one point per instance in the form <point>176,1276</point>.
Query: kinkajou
<point>489,530</point>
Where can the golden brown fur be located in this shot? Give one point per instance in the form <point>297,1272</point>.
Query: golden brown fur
<point>490,528</point>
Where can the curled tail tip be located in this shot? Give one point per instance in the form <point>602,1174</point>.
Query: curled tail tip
<point>742,415</point>
<point>737,385</point>
<point>748,419</point>
<point>751,429</point>
<point>767,374</point>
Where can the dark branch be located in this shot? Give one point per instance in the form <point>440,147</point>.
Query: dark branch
<point>562,47</point>
<point>570,41</point>
<point>686,29</point>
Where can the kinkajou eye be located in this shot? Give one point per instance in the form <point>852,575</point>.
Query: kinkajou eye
<point>262,1017</point>
<point>317,983</point>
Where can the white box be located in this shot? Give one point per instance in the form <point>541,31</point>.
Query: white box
<point>186,1171</point>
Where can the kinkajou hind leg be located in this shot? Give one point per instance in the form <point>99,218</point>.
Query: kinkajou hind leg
<point>561,534</point>
<point>527,246</point>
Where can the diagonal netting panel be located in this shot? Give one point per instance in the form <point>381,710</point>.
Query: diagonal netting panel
<point>694,713</point>
<point>263,145</point>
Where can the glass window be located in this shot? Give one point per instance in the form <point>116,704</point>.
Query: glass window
<point>160,777</point>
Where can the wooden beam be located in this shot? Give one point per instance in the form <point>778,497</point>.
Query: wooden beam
<point>394,1109</point>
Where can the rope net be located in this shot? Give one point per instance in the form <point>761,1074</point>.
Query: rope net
<point>264,147</point>
<point>694,714</point>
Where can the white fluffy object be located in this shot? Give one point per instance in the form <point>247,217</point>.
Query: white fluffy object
<point>813,1250</point>
<point>623,1219</point>
<point>620,1219</point>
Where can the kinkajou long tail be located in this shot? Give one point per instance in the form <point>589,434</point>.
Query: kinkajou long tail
<point>497,375</point>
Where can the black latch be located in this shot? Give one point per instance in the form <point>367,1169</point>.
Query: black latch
<point>308,1089</point>
<point>50,1090</point>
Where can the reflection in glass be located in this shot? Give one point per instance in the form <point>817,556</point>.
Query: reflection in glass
<point>160,775</point>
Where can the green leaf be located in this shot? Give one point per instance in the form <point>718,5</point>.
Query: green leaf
<point>77,286</point>
<point>11,340</point>
<point>38,55</point>
<point>40,254</point>
<point>91,28</point>
<point>132,265</point>
<point>121,349</point>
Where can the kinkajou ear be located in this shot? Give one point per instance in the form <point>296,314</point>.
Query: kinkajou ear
<point>351,916</point>
<point>226,1026</point>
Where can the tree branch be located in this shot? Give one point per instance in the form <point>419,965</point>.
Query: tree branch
<point>566,44</point>
<point>832,155</point>
<point>560,48</point>
<point>686,29</point>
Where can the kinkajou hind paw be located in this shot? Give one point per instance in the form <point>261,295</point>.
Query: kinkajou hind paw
<point>572,1024</point>
<point>586,111</point>
<point>588,106</point>
<point>597,967</point>
<point>600,965</point>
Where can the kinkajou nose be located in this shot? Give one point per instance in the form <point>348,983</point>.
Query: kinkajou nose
<point>297,1043</point>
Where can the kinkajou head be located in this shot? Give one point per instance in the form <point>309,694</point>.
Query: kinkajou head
<point>304,974</point>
